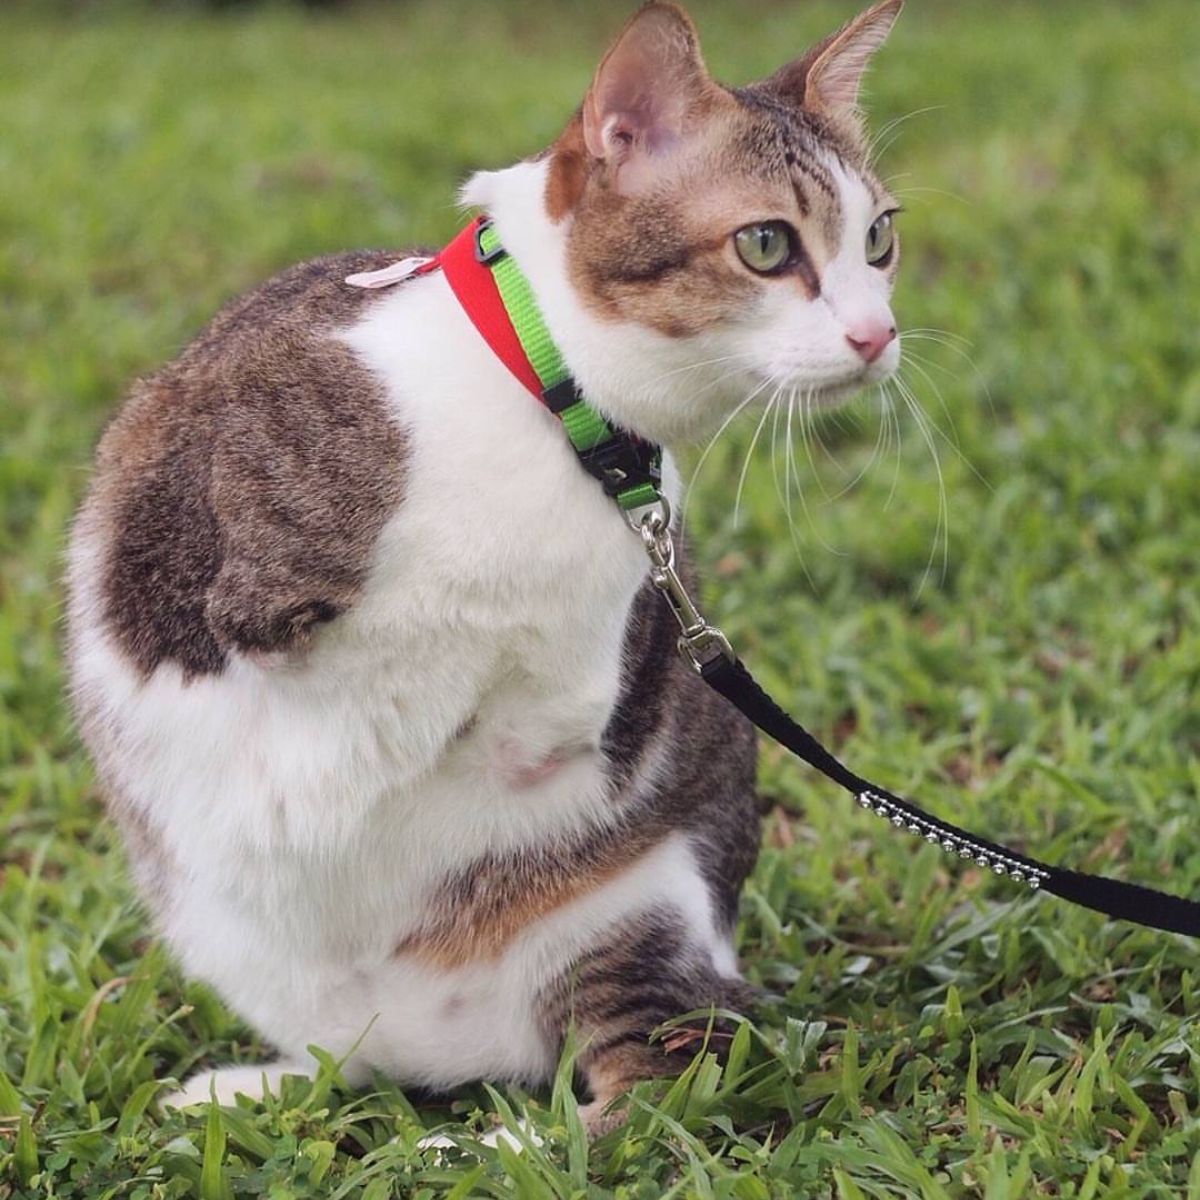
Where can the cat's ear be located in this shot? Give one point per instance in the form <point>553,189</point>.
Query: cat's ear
<point>826,79</point>
<point>648,90</point>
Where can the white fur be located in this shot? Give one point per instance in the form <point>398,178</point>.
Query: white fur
<point>310,806</point>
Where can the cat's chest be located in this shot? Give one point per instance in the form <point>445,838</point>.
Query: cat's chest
<point>456,713</point>
<point>484,656</point>
<point>505,565</point>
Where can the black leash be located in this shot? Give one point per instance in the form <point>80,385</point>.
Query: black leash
<point>708,651</point>
<point>1127,901</point>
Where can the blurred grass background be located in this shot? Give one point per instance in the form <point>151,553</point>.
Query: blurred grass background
<point>1031,672</point>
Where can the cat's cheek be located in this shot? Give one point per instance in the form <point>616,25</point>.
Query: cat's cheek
<point>794,341</point>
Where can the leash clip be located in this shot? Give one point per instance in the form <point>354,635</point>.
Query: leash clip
<point>697,639</point>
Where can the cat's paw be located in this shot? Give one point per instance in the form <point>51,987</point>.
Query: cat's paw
<point>227,1083</point>
<point>601,1117</point>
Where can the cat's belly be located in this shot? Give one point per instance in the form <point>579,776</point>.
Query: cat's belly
<point>328,805</point>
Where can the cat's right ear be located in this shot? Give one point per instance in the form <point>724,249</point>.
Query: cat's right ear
<point>649,89</point>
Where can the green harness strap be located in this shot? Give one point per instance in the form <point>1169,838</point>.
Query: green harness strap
<point>589,432</point>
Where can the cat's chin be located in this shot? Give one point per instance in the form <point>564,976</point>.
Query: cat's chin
<point>836,395</point>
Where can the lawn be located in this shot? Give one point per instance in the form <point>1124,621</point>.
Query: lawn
<point>1013,636</point>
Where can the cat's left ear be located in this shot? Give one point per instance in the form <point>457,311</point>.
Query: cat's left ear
<point>648,91</point>
<point>826,80</point>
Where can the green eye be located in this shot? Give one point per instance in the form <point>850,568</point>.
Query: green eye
<point>880,239</point>
<point>764,248</point>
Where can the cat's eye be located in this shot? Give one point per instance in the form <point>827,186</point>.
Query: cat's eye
<point>881,237</point>
<point>765,248</point>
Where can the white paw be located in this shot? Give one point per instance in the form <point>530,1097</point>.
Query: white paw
<point>227,1083</point>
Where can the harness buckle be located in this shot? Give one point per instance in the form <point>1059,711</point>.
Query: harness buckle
<point>622,462</point>
<point>486,257</point>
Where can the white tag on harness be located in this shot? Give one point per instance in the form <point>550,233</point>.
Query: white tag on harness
<point>386,276</point>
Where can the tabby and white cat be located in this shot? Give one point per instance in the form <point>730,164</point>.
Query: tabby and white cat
<point>393,727</point>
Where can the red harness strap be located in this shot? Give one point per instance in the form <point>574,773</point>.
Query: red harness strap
<point>472,283</point>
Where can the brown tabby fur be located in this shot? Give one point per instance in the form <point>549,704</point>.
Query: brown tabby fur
<point>245,484</point>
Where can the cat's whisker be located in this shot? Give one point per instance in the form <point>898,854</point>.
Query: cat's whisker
<point>688,492</point>
<point>779,492</point>
<point>704,362</point>
<point>865,470</point>
<point>724,377</point>
<point>939,338</point>
<point>934,334</point>
<point>941,535</point>
<point>935,427</point>
<point>902,193</point>
<point>911,355</point>
<point>788,472</point>
<point>793,533</point>
<point>737,502</point>
<point>810,433</point>
<point>915,362</point>
<point>799,403</point>
<point>874,152</point>
<point>817,417</point>
<point>896,440</point>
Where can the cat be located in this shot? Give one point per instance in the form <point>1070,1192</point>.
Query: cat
<point>391,722</point>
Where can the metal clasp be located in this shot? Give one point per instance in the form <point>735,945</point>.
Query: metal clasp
<point>698,640</point>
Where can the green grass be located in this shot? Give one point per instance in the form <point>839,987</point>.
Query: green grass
<point>932,1032</point>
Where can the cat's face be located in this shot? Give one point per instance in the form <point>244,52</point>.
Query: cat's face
<point>745,226</point>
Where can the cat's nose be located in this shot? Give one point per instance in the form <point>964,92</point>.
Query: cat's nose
<point>870,338</point>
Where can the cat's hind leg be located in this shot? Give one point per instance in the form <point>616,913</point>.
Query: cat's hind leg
<point>643,975</point>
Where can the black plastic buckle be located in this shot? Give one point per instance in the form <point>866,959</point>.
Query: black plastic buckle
<point>486,257</point>
<point>622,462</point>
<point>562,395</point>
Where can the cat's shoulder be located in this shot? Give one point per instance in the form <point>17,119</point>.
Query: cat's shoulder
<point>239,490</point>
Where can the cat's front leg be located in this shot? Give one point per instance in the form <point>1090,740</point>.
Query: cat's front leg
<point>225,1084</point>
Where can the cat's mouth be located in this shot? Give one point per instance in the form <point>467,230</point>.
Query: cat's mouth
<point>835,390</point>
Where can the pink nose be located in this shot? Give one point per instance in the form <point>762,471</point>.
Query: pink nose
<point>870,339</point>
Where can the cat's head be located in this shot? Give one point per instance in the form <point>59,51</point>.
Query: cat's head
<point>740,231</point>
